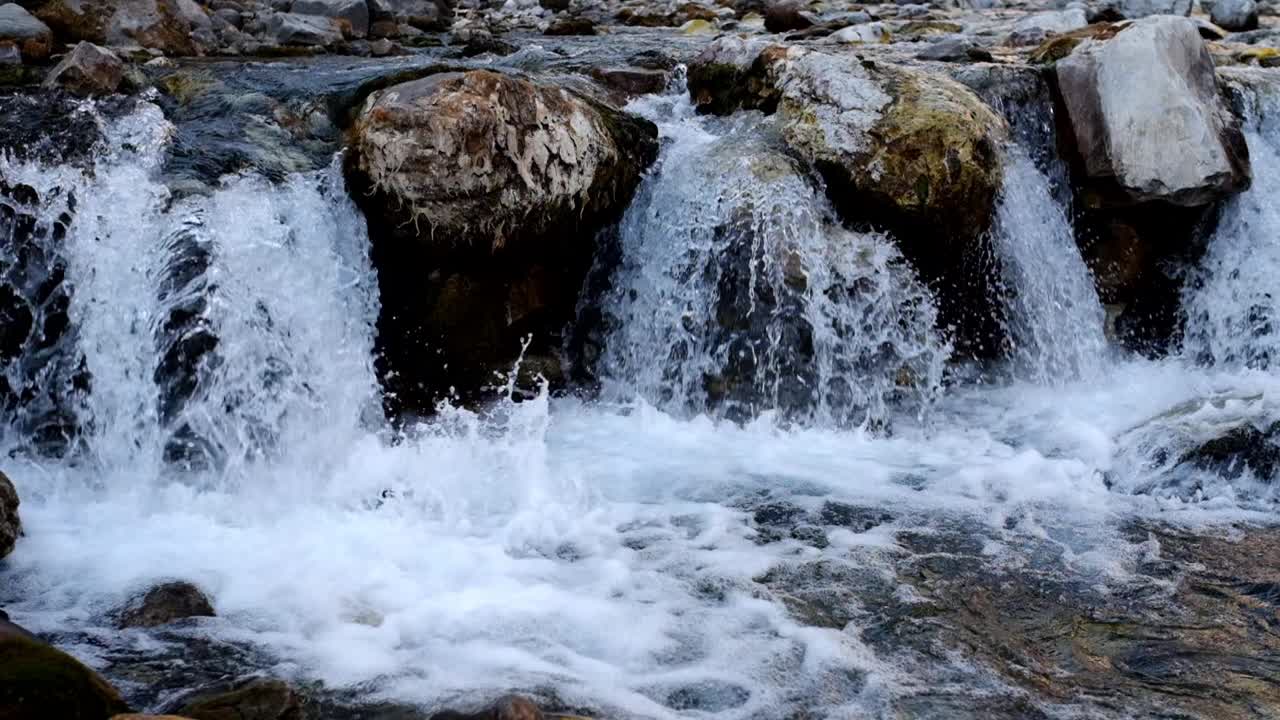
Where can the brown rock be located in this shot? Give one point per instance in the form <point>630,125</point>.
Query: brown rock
<point>40,682</point>
<point>246,699</point>
<point>31,36</point>
<point>164,604</point>
<point>785,16</point>
<point>513,707</point>
<point>165,25</point>
<point>572,26</point>
<point>10,523</point>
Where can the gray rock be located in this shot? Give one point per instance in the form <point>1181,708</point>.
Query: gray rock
<point>1147,117</point>
<point>355,13</point>
<point>1033,29</point>
<point>10,523</point>
<point>429,15</point>
<point>1133,9</point>
<point>88,70</point>
<point>1235,15</point>
<point>294,29</point>
<point>31,36</point>
<point>873,32</point>
<point>230,16</point>
<point>9,53</point>
<point>955,49</point>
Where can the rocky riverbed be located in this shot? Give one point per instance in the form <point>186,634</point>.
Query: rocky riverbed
<point>501,160</point>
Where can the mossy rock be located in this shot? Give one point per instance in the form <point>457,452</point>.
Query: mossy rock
<point>40,682</point>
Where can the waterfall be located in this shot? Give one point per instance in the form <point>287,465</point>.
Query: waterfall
<point>1056,318</point>
<point>739,293</point>
<point>214,328</point>
<point>1232,303</point>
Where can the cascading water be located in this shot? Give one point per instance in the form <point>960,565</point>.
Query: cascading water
<point>1233,305</point>
<point>1057,320</point>
<point>739,293</point>
<point>209,354</point>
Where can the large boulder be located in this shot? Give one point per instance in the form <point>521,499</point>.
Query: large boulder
<point>175,27</point>
<point>27,33</point>
<point>40,682</point>
<point>88,70</point>
<point>10,523</point>
<point>911,151</point>
<point>1147,118</point>
<point>484,192</point>
<point>250,698</point>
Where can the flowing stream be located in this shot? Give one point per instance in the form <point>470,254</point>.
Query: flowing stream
<point>201,404</point>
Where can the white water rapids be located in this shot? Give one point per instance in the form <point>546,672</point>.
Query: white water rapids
<point>606,549</point>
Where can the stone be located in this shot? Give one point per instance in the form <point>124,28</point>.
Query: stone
<point>31,36</point>
<point>632,81</point>
<point>571,26</point>
<point>10,523</point>
<point>1233,15</point>
<point>40,682</point>
<point>355,13</point>
<point>87,70</point>
<point>164,604</point>
<point>1134,9</point>
<point>873,32</point>
<point>306,30</point>
<point>426,15</point>
<point>955,49</point>
<point>165,25</point>
<point>1161,134</point>
<point>253,698</point>
<point>554,5</point>
<point>728,75</point>
<point>1034,29</point>
<point>786,15</point>
<point>484,193</point>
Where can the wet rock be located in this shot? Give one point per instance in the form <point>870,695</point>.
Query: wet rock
<point>572,26</point>
<point>1161,134</point>
<point>253,698</point>
<point>305,30</point>
<point>352,15</point>
<point>786,15</point>
<point>915,152</point>
<point>88,70</point>
<point>484,193</point>
<point>873,32</point>
<point>1240,450</point>
<point>633,81</point>
<point>1034,29</point>
<point>508,708</point>
<point>554,5</point>
<point>165,25</point>
<point>40,682</point>
<point>31,37</point>
<point>957,49</point>
<point>164,604</point>
<point>10,523</point>
<point>732,73</point>
<point>1233,15</point>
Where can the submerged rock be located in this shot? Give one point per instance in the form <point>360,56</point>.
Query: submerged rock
<point>1164,133</point>
<point>164,604</point>
<point>484,192</point>
<point>40,682</point>
<point>10,523</point>
<point>30,36</point>
<point>88,70</point>
<point>508,708</point>
<point>254,698</point>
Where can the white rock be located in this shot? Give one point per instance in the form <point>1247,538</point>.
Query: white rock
<point>1148,118</point>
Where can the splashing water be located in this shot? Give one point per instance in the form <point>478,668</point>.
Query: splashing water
<point>1232,305</point>
<point>739,293</point>
<point>1057,320</point>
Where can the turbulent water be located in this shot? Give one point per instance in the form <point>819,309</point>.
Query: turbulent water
<point>617,551</point>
